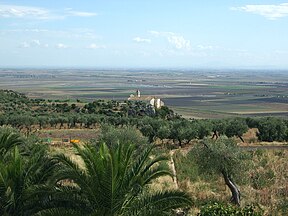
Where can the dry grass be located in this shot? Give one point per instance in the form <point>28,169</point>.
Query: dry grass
<point>266,184</point>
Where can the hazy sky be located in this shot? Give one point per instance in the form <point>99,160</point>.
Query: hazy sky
<point>144,33</point>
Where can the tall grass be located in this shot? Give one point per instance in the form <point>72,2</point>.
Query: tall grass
<point>265,183</point>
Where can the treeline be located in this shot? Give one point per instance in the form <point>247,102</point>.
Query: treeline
<point>183,130</point>
<point>177,129</point>
<point>12,103</point>
<point>32,114</point>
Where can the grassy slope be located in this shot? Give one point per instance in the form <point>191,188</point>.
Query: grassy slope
<point>264,184</point>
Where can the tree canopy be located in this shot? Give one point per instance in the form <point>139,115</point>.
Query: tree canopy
<point>221,157</point>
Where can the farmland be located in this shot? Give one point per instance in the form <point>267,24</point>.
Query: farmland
<point>191,93</point>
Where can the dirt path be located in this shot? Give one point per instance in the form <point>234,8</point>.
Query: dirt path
<point>172,166</point>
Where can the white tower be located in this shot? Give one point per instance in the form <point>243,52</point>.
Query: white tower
<point>138,93</point>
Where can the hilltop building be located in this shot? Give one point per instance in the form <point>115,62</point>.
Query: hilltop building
<point>155,102</point>
<point>138,93</point>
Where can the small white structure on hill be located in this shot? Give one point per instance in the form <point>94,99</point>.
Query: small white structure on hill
<point>155,102</point>
<point>138,93</point>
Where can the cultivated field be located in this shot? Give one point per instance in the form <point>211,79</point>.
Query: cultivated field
<point>191,93</point>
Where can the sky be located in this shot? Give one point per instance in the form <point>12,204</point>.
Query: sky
<point>144,33</point>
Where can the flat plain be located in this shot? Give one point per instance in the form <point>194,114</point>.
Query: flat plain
<point>208,93</point>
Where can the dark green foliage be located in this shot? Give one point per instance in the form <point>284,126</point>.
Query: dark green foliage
<point>272,129</point>
<point>112,136</point>
<point>203,128</point>
<point>228,210</point>
<point>11,101</point>
<point>221,154</point>
<point>179,130</point>
<point>184,131</point>
<point>3,120</point>
<point>236,127</point>
<point>24,179</point>
<point>221,157</point>
<point>113,182</point>
<point>23,113</point>
<point>218,127</point>
<point>108,181</point>
<point>165,113</point>
<point>9,138</point>
<point>252,122</point>
<point>149,127</point>
<point>163,132</point>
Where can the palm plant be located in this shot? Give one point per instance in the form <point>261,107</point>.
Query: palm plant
<point>8,139</point>
<point>24,181</point>
<point>111,181</point>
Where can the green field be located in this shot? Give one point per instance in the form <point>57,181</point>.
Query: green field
<point>191,93</point>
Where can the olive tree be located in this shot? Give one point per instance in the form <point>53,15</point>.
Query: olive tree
<point>236,127</point>
<point>149,127</point>
<point>272,129</point>
<point>221,157</point>
<point>218,127</point>
<point>112,136</point>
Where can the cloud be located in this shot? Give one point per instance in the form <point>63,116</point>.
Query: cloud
<point>17,11</point>
<point>207,47</point>
<point>82,14</point>
<point>141,40</point>
<point>30,44</point>
<point>176,40</point>
<point>95,46</point>
<point>25,45</point>
<point>179,42</point>
<point>36,42</point>
<point>61,46</point>
<point>271,12</point>
<point>9,11</point>
<point>71,12</point>
<point>23,30</point>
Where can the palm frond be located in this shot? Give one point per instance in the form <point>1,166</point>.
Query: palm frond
<point>8,140</point>
<point>160,203</point>
<point>155,173</point>
<point>59,212</point>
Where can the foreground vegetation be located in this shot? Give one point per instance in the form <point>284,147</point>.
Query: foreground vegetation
<point>122,169</point>
<point>259,177</point>
<point>106,181</point>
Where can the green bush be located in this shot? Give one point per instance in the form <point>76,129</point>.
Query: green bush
<point>272,129</point>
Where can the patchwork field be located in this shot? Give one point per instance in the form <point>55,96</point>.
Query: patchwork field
<point>191,93</point>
